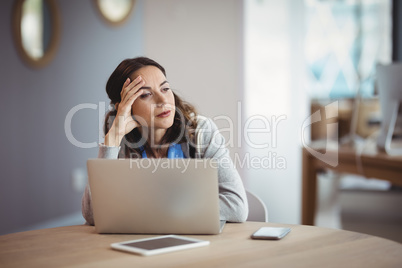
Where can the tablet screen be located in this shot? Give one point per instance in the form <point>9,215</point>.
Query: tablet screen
<point>159,243</point>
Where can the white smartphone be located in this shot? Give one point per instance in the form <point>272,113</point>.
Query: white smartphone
<point>159,244</point>
<point>271,233</point>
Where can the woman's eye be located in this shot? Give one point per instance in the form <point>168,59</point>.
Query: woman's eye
<point>143,96</point>
<point>166,89</point>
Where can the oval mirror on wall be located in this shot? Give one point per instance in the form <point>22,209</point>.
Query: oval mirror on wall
<point>36,29</point>
<point>115,12</point>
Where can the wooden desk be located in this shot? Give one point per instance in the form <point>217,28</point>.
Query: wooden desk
<point>304,246</point>
<point>367,161</point>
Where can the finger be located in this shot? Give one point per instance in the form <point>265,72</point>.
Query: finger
<point>130,101</point>
<point>134,96</point>
<point>132,91</point>
<point>125,107</point>
<point>127,82</point>
<point>131,85</point>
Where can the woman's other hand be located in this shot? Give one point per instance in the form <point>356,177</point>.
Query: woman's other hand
<point>124,122</point>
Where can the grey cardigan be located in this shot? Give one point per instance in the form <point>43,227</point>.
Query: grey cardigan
<point>209,143</point>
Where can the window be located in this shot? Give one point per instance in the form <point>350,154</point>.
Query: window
<point>344,41</point>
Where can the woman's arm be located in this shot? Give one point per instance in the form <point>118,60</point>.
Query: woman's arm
<point>122,124</point>
<point>232,195</point>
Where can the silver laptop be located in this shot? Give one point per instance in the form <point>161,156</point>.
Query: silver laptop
<point>155,196</point>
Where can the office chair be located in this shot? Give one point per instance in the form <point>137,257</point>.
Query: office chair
<point>257,211</point>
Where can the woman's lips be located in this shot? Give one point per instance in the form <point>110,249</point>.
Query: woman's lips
<point>164,114</point>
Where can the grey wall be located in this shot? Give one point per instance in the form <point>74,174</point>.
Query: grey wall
<point>201,47</point>
<point>36,158</point>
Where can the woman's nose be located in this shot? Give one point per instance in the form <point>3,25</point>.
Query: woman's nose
<point>161,100</point>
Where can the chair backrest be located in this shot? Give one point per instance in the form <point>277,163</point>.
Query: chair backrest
<point>257,211</point>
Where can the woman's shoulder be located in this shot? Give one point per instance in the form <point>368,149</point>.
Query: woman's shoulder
<point>208,139</point>
<point>204,123</point>
<point>206,130</point>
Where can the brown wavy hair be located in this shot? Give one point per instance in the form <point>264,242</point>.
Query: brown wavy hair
<point>184,124</point>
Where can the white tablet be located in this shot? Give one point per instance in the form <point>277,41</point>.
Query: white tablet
<point>159,244</point>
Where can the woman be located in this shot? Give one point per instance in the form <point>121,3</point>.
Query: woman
<point>150,120</point>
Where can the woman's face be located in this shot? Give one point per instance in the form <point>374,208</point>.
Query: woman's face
<point>155,108</point>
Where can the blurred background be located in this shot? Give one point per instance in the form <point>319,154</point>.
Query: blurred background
<point>263,65</point>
